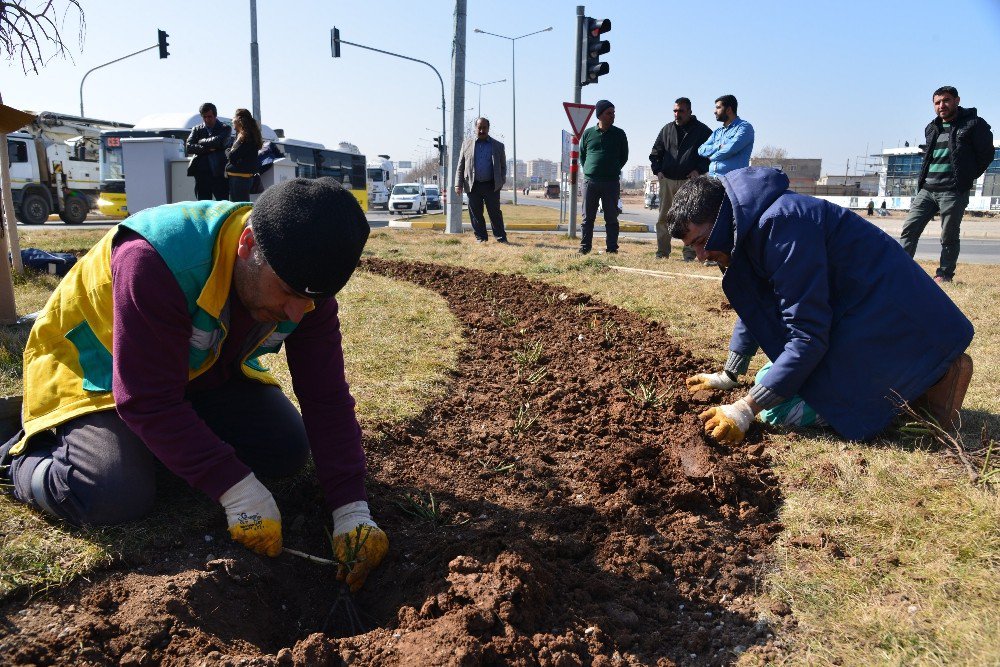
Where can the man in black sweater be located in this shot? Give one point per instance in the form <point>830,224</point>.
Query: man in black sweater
<point>674,159</point>
<point>959,149</point>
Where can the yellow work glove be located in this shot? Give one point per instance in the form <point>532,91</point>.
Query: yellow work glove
<point>254,520</point>
<point>728,423</point>
<point>358,544</point>
<point>710,381</point>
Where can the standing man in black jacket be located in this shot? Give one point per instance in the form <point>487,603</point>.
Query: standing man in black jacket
<point>674,160</point>
<point>959,149</point>
<point>208,142</point>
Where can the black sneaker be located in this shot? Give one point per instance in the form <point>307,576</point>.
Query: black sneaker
<point>660,255</point>
<point>584,251</point>
<point>611,252</point>
<point>503,240</point>
<point>480,240</point>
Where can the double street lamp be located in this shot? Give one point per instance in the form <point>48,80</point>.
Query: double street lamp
<point>513,87</point>
<point>480,112</point>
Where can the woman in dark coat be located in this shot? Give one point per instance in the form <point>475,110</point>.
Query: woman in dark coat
<point>241,157</point>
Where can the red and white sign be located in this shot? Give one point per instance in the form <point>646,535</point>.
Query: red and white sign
<point>579,116</point>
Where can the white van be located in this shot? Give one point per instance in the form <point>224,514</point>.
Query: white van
<point>408,198</point>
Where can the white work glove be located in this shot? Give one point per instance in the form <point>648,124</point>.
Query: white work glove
<point>720,380</point>
<point>254,520</point>
<point>728,423</point>
<point>359,545</point>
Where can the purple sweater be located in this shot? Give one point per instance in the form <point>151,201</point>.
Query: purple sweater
<point>152,329</point>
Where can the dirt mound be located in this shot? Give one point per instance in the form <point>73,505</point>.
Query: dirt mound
<point>559,506</point>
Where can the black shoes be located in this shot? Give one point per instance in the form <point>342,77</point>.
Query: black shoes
<point>584,251</point>
<point>503,240</point>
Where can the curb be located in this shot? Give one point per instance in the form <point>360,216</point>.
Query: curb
<point>513,226</point>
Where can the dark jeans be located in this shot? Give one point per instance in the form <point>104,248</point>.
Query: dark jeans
<point>951,206</point>
<point>239,188</point>
<point>211,187</point>
<point>482,192</point>
<point>607,192</point>
<point>95,471</point>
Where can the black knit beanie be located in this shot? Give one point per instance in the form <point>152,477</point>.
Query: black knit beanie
<point>602,106</point>
<point>312,232</point>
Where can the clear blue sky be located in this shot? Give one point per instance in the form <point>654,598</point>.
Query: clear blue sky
<point>820,79</point>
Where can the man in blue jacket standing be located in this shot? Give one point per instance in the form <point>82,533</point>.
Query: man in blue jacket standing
<point>730,146</point>
<point>850,322</point>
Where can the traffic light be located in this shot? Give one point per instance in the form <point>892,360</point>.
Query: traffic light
<point>162,41</point>
<point>593,48</point>
<point>439,145</point>
<point>335,42</point>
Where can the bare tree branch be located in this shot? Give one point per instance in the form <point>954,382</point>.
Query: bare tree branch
<point>28,34</point>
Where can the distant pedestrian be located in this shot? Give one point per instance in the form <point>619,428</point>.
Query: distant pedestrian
<point>730,146</point>
<point>603,154</point>
<point>482,171</point>
<point>882,210</point>
<point>241,157</point>
<point>674,159</point>
<point>871,207</point>
<point>959,149</point>
<point>207,142</point>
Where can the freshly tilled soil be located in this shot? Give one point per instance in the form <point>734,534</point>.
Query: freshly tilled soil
<point>558,506</point>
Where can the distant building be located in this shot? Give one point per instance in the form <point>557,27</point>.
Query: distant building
<point>522,171</point>
<point>638,174</point>
<point>541,170</point>
<point>801,172</point>
<point>866,184</point>
<point>901,170</point>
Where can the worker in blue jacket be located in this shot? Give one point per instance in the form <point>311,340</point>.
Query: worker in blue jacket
<point>850,323</point>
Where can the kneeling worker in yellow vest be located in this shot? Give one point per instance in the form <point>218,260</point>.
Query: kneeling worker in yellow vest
<point>150,350</point>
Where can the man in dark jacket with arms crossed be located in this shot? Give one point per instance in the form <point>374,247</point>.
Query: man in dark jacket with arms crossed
<point>674,159</point>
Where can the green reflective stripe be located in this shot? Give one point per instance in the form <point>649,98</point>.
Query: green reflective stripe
<point>939,152</point>
<point>95,359</point>
<point>939,168</point>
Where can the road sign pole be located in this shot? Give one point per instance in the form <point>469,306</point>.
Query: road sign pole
<point>576,99</point>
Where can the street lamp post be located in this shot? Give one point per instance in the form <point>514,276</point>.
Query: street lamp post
<point>513,90</point>
<point>480,112</point>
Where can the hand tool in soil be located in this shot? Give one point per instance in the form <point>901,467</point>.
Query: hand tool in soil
<point>728,423</point>
<point>343,616</point>
<point>253,517</point>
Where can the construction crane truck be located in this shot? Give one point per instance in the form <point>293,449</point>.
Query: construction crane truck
<point>54,167</point>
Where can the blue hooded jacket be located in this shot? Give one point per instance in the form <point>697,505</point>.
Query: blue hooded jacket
<point>848,319</point>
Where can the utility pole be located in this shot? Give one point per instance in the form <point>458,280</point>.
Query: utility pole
<point>254,63</point>
<point>454,214</point>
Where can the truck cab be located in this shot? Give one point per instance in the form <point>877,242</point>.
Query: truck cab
<point>49,176</point>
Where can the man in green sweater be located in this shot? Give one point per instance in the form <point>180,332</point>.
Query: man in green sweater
<point>603,154</point>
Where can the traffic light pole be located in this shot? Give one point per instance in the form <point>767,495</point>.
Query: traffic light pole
<point>576,98</point>
<point>118,60</point>
<point>337,41</point>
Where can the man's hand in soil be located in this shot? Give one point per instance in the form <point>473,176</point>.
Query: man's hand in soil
<point>710,381</point>
<point>254,520</point>
<point>728,423</point>
<point>358,544</point>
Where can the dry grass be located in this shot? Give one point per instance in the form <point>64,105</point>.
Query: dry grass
<point>916,583</point>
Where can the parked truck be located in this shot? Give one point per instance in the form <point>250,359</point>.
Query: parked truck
<point>381,178</point>
<point>54,167</point>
